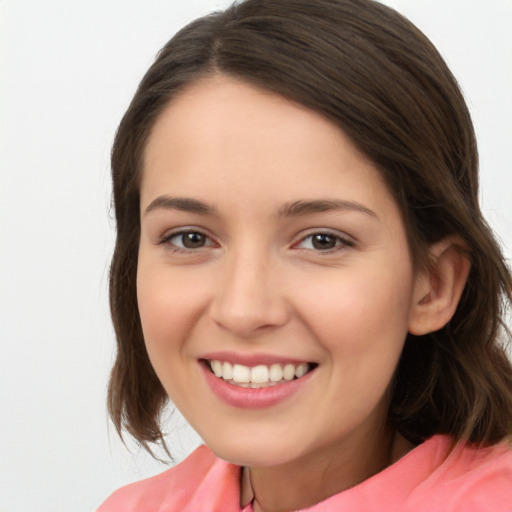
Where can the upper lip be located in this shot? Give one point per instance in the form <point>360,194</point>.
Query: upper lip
<point>252,359</point>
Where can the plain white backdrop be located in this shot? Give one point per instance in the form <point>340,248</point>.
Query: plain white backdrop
<point>68,69</point>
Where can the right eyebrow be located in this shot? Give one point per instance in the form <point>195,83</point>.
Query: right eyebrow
<point>305,207</point>
<point>184,204</point>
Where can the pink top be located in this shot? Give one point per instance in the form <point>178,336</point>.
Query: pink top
<point>429,478</point>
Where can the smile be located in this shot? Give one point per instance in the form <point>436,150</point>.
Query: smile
<point>259,376</point>
<point>261,382</point>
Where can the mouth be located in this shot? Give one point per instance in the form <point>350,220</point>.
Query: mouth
<point>259,376</point>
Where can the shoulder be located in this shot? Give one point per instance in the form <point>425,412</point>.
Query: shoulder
<point>469,478</point>
<point>190,483</point>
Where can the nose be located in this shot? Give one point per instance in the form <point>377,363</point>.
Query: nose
<point>249,298</point>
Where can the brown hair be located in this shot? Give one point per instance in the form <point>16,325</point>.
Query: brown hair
<point>376,76</point>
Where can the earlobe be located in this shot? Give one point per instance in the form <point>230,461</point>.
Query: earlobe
<point>438,289</point>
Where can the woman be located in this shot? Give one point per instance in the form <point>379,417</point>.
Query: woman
<point>302,267</point>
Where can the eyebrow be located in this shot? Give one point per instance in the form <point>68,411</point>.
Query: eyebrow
<point>292,209</point>
<point>303,207</point>
<point>184,204</point>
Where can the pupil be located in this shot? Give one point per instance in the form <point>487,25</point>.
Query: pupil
<point>323,242</point>
<point>193,240</point>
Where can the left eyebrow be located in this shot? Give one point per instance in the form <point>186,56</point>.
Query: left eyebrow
<point>304,207</point>
<point>184,204</point>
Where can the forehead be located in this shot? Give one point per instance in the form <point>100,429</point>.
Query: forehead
<point>241,138</point>
<point>226,111</point>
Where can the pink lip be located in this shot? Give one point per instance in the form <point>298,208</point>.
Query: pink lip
<point>251,359</point>
<point>252,398</point>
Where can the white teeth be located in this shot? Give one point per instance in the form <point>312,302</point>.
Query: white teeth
<point>227,371</point>
<point>241,373</point>
<point>217,368</point>
<point>301,370</point>
<point>258,376</point>
<point>289,372</point>
<point>276,373</point>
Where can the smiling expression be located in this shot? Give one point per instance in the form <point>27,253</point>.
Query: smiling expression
<point>275,284</point>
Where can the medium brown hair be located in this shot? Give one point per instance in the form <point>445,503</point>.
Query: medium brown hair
<point>375,75</point>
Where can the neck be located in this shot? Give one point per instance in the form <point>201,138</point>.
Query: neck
<point>303,483</point>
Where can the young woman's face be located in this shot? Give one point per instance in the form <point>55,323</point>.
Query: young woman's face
<point>270,246</point>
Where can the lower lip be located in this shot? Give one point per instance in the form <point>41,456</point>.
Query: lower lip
<point>253,398</point>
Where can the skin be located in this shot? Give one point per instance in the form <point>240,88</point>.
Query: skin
<point>259,285</point>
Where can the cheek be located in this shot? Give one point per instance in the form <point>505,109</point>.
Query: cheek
<point>361,325</point>
<point>169,305</point>
<point>359,310</point>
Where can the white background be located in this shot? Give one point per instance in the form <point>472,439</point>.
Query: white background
<point>68,69</point>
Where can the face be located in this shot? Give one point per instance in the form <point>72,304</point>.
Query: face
<point>275,284</point>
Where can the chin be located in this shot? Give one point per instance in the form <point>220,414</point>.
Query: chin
<point>253,453</point>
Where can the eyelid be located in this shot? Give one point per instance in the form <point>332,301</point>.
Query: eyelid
<point>182,230</point>
<point>344,239</point>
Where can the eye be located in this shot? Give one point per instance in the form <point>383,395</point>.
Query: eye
<point>188,240</point>
<point>323,242</point>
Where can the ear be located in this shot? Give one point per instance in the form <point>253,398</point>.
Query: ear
<point>438,289</point>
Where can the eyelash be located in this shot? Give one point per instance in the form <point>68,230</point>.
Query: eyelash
<point>166,240</point>
<point>340,242</point>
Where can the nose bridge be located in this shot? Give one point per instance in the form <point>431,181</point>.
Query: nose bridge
<point>248,296</point>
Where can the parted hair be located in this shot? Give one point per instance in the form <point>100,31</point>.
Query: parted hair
<point>375,75</point>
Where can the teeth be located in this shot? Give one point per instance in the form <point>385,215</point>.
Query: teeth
<point>241,373</point>
<point>217,368</point>
<point>276,372</point>
<point>227,371</point>
<point>289,372</point>
<point>301,370</point>
<point>259,375</point>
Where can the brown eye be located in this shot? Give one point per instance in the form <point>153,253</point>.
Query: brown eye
<point>188,240</point>
<point>193,240</point>
<point>323,241</point>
